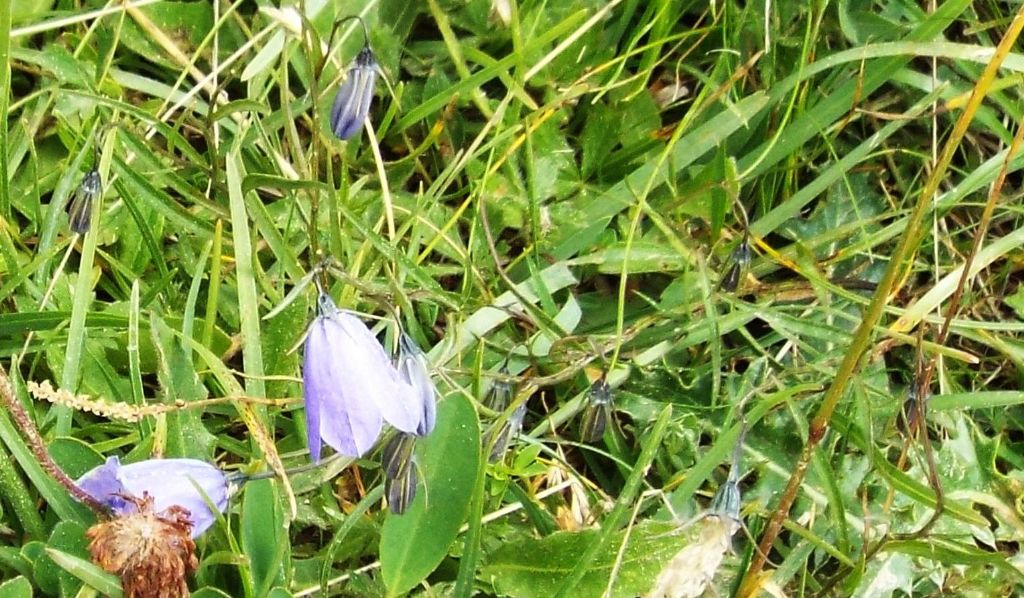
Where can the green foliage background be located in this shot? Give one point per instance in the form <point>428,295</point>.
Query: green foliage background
<point>559,194</point>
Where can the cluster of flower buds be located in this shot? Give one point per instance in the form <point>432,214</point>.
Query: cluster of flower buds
<point>397,457</point>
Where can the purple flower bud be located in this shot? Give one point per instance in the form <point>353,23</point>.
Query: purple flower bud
<point>350,386</point>
<point>412,366</point>
<point>352,103</point>
<point>170,482</point>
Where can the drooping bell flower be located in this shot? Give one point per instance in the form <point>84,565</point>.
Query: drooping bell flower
<point>352,103</point>
<point>350,386</point>
<point>80,208</point>
<point>182,483</point>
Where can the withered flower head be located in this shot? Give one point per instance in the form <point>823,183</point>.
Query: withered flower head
<point>153,552</point>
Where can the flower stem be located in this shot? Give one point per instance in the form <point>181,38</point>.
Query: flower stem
<point>35,442</point>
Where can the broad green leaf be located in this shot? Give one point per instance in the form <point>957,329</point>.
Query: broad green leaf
<point>413,544</point>
<point>19,587</point>
<point>74,456</point>
<point>264,534</point>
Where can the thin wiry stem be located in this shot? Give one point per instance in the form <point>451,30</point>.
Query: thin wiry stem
<point>35,442</point>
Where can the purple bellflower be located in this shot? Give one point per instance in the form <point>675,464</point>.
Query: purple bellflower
<point>185,483</point>
<point>350,386</point>
<point>352,103</point>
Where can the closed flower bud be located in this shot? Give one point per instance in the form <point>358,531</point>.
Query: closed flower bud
<point>352,103</point>
<point>413,367</point>
<point>80,209</point>
<point>727,500</point>
<point>597,411</point>
<point>183,483</point>
<point>350,386</point>
<point>400,476</point>
<point>740,260</point>
<point>503,436</point>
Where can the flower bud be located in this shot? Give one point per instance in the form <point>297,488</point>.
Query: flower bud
<point>414,370</point>
<point>80,209</point>
<point>597,412</point>
<point>352,103</point>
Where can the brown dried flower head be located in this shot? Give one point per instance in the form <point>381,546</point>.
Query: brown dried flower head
<point>153,553</point>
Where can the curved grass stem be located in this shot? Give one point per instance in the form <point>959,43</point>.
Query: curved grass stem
<point>862,337</point>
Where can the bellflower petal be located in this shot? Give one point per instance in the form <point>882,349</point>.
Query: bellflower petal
<point>350,386</point>
<point>414,370</point>
<point>352,103</point>
<point>170,482</point>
